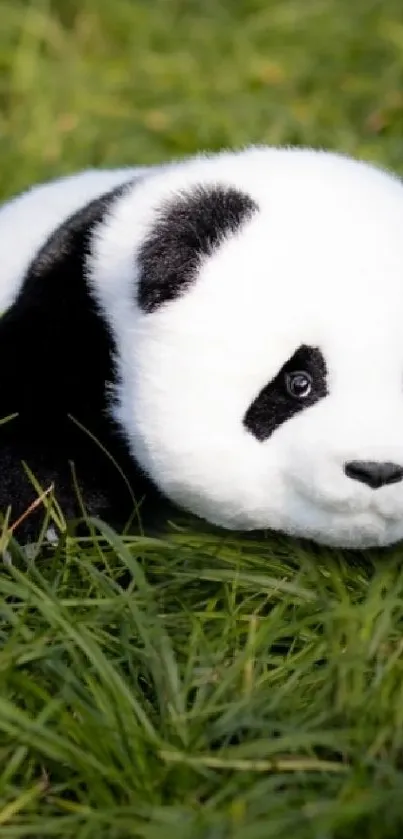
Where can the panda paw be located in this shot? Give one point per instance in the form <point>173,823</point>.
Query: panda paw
<point>30,549</point>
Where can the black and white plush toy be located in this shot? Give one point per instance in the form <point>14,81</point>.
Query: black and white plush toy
<point>229,328</point>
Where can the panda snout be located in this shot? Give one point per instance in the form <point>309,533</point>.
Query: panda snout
<point>374,473</point>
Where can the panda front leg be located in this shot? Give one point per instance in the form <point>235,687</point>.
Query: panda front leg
<point>35,484</point>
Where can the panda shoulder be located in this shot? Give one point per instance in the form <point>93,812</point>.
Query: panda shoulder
<point>30,219</point>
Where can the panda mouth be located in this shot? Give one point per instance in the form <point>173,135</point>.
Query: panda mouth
<point>364,528</point>
<point>387,513</point>
<point>375,509</point>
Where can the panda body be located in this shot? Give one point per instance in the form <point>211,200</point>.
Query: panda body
<point>228,327</point>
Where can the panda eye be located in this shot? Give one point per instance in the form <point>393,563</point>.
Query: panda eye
<point>298,384</point>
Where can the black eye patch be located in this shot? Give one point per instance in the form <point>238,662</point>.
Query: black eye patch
<point>300,383</point>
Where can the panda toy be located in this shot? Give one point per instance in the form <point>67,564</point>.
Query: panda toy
<point>224,332</point>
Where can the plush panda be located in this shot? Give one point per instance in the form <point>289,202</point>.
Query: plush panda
<point>225,332</point>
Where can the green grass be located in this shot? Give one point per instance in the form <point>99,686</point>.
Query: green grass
<point>197,685</point>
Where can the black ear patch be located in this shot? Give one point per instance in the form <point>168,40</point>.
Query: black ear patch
<point>275,403</point>
<point>189,227</point>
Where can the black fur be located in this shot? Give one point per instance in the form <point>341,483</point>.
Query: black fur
<point>56,355</point>
<point>189,227</point>
<point>274,405</point>
<point>57,344</point>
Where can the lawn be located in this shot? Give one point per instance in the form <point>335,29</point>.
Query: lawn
<point>191,683</point>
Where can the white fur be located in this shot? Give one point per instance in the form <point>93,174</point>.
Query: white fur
<point>321,263</point>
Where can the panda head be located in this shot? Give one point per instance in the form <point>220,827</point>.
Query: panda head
<point>256,301</point>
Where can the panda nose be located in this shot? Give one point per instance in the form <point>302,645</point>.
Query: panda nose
<point>374,473</point>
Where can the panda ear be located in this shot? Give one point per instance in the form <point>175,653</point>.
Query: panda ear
<point>187,228</point>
